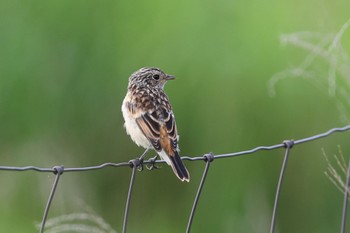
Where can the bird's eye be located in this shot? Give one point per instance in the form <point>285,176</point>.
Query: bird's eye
<point>156,76</point>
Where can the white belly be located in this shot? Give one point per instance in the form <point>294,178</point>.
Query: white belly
<point>133,129</point>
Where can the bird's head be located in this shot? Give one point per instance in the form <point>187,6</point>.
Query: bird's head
<point>150,76</point>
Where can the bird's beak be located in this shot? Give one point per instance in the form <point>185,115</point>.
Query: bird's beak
<point>169,77</point>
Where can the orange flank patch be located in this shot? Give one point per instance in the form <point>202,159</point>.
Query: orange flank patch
<point>165,141</point>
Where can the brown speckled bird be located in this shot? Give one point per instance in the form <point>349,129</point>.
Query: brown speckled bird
<point>149,119</point>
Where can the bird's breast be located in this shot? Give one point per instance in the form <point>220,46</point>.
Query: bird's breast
<point>132,127</point>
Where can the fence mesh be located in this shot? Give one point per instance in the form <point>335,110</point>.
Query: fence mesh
<point>136,164</point>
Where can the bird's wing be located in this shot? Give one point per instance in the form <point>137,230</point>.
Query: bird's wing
<point>159,127</point>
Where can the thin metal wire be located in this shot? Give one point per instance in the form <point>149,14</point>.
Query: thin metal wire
<point>134,164</point>
<point>26,168</point>
<point>58,170</point>
<point>345,202</point>
<point>288,145</point>
<point>209,159</point>
<point>322,135</point>
<point>150,161</point>
<point>80,169</point>
<point>308,139</point>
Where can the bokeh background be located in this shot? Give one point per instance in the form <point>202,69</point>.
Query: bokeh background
<point>64,68</point>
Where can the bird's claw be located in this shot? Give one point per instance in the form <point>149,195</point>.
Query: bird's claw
<point>152,164</point>
<point>140,167</point>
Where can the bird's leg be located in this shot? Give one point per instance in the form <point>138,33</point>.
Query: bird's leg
<point>140,168</point>
<point>144,154</point>
<point>153,163</point>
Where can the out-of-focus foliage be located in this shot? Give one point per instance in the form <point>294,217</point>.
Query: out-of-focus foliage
<point>64,67</point>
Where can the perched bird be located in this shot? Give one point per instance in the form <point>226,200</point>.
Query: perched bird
<point>149,119</point>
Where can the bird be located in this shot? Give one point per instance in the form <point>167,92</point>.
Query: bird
<point>149,118</point>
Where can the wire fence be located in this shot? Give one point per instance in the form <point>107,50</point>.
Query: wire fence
<point>136,164</point>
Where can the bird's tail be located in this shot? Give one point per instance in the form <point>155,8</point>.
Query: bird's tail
<point>179,168</point>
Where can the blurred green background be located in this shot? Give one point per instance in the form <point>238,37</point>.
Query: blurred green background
<point>64,68</point>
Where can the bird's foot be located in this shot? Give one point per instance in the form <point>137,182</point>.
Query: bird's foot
<point>140,166</point>
<point>152,164</point>
<point>136,163</point>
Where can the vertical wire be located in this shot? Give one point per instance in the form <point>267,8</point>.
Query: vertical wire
<point>58,170</point>
<point>288,146</point>
<point>134,163</point>
<point>209,158</point>
<point>345,203</point>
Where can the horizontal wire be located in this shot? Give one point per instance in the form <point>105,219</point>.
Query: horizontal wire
<point>150,161</point>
